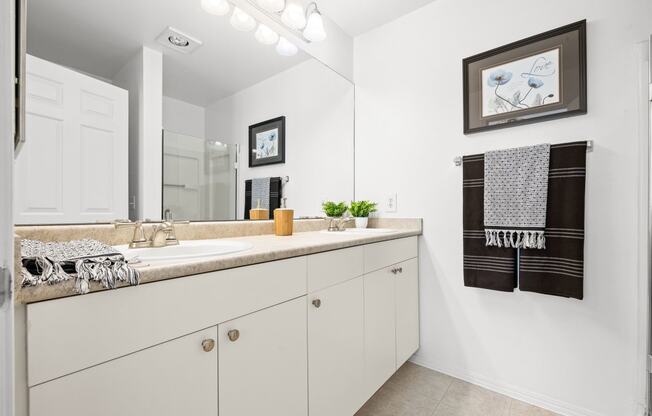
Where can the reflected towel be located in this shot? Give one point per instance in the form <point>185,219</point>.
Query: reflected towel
<point>260,193</point>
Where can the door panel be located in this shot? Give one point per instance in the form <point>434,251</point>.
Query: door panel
<point>264,371</point>
<point>174,378</point>
<point>407,310</point>
<point>74,164</point>
<point>380,328</point>
<point>336,349</point>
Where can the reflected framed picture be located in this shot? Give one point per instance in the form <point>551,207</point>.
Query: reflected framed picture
<point>267,142</point>
<point>539,78</point>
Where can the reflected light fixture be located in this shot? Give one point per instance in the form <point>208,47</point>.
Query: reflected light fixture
<point>286,48</point>
<point>265,35</point>
<point>293,15</point>
<point>242,21</point>
<point>314,30</point>
<point>216,7</point>
<point>274,6</point>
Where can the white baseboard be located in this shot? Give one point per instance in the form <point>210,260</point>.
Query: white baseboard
<point>536,399</point>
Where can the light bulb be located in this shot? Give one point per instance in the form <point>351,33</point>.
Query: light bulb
<point>242,21</point>
<point>314,30</point>
<point>273,6</point>
<point>216,7</point>
<point>294,16</point>
<point>286,48</point>
<point>265,35</point>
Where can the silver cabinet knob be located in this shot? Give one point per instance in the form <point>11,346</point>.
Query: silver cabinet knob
<point>208,345</point>
<point>233,335</point>
<point>316,303</point>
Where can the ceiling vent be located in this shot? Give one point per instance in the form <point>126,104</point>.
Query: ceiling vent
<point>179,41</point>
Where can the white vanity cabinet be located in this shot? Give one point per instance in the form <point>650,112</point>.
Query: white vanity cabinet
<point>263,362</point>
<point>314,335</point>
<point>178,377</point>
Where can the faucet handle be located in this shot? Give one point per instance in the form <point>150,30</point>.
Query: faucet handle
<point>139,238</point>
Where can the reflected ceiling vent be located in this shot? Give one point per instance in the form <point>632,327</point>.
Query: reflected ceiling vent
<point>179,41</point>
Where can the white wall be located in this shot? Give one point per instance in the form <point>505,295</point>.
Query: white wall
<point>318,105</point>
<point>576,357</point>
<point>142,76</point>
<point>184,118</point>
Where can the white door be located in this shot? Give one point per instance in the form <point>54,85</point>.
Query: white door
<point>407,310</point>
<point>380,328</point>
<point>336,350</point>
<point>175,378</point>
<point>263,362</point>
<point>73,167</point>
<point>7,77</point>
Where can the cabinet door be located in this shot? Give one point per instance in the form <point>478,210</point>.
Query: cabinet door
<point>380,328</point>
<point>178,377</point>
<point>407,310</point>
<point>336,349</point>
<point>263,362</point>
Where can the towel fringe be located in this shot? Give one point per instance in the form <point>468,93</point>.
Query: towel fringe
<point>526,239</point>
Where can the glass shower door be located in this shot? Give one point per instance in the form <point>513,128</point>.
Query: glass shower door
<point>199,178</point>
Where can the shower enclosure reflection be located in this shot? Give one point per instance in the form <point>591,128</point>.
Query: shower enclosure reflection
<point>199,178</point>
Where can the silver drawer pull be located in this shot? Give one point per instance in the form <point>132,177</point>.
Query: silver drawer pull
<point>233,335</point>
<point>208,345</point>
<point>316,303</point>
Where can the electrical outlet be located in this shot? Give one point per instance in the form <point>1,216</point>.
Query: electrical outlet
<point>390,203</point>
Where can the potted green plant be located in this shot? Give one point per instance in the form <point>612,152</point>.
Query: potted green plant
<point>335,211</point>
<point>361,210</point>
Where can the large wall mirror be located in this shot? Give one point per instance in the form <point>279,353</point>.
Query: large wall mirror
<point>157,109</point>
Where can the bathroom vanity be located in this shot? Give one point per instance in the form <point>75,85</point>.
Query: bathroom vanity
<point>313,334</point>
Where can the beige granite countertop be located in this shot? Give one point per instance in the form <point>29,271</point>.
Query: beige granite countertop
<point>266,247</point>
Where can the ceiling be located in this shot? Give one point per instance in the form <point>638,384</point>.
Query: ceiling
<point>356,17</point>
<point>99,37</point>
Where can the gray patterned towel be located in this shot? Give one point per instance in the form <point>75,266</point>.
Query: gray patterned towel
<point>85,260</point>
<point>260,192</point>
<point>516,196</point>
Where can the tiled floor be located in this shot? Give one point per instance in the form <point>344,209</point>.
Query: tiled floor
<point>418,391</point>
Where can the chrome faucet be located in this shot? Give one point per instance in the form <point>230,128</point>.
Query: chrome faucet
<point>163,234</point>
<point>337,223</point>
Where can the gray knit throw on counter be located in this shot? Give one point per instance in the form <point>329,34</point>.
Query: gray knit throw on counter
<point>516,196</point>
<point>83,260</point>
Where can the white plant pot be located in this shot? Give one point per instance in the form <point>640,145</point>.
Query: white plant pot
<point>361,222</point>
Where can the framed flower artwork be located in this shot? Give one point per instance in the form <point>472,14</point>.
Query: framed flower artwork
<point>535,79</point>
<point>267,142</point>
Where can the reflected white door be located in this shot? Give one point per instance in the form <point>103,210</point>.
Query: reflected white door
<point>73,167</point>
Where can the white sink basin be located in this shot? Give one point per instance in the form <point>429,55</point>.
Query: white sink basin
<point>361,231</point>
<point>186,250</point>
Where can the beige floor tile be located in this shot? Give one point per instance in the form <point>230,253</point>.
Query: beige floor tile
<point>465,399</point>
<point>418,391</point>
<point>412,379</point>
<point>389,401</point>
<point>518,408</point>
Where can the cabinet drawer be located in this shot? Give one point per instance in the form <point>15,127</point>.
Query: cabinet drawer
<point>333,267</point>
<point>379,255</point>
<point>67,335</point>
<point>174,378</point>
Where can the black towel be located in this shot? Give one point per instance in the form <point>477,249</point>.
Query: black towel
<point>559,268</point>
<point>484,267</point>
<point>275,196</point>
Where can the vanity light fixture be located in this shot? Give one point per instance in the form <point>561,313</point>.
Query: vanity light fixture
<point>216,7</point>
<point>306,24</point>
<point>293,15</point>
<point>314,30</point>
<point>286,48</point>
<point>265,35</point>
<point>242,21</point>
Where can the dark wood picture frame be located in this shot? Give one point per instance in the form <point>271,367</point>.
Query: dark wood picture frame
<point>275,123</point>
<point>570,44</point>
